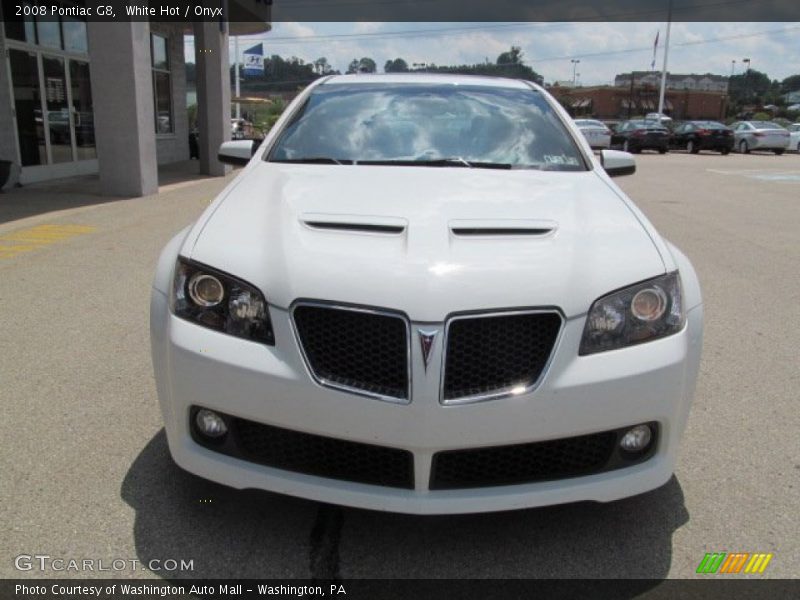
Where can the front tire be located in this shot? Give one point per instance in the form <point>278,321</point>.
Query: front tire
<point>725,151</point>
<point>691,147</point>
<point>663,150</point>
<point>778,151</point>
<point>743,147</point>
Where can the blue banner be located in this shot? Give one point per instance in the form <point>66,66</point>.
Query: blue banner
<point>253,61</point>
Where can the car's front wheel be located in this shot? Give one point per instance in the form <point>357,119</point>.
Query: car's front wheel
<point>691,147</point>
<point>725,151</point>
<point>743,148</point>
<point>778,151</point>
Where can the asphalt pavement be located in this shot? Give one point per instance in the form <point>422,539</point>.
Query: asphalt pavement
<point>85,472</point>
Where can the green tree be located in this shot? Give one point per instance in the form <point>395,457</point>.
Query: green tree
<point>790,84</point>
<point>367,65</point>
<point>512,57</point>
<point>749,87</point>
<point>398,65</point>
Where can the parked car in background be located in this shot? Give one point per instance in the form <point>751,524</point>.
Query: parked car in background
<point>595,132</point>
<point>660,117</point>
<point>638,135</point>
<point>760,135</point>
<point>794,137</point>
<point>335,325</point>
<point>694,136</point>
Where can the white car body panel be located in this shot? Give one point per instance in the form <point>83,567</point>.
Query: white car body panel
<point>256,230</point>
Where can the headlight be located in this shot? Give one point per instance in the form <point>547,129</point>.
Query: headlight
<point>218,301</point>
<point>646,311</point>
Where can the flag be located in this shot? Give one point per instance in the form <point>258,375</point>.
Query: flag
<point>253,61</point>
<point>655,47</point>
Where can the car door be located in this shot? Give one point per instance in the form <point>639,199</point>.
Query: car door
<point>618,135</point>
<point>675,139</point>
<point>745,133</point>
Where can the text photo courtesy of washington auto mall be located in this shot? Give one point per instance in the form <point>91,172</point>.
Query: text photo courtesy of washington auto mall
<point>399,299</point>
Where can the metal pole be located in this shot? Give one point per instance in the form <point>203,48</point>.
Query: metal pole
<point>733,64</point>
<point>236,75</point>
<point>664,70</point>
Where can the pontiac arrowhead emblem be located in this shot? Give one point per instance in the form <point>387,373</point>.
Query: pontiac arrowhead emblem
<point>426,340</point>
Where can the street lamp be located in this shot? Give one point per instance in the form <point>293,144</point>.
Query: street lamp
<point>574,62</point>
<point>733,64</point>
<point>746,78</point>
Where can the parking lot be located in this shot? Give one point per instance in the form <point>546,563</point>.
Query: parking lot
<point>86,471</point>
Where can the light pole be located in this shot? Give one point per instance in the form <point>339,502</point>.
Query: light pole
<point>733,65</point>
<point>574,62</point>
<point>746,61</point>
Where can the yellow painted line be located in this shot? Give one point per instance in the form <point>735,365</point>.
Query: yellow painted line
<point>765,563</point>
<point>753,564</point>
<point>33,238</point>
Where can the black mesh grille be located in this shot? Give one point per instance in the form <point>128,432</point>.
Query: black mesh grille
<point>323,456</point>
<point>486,354</point>
<point>522,463</point>
<point>360,350</point>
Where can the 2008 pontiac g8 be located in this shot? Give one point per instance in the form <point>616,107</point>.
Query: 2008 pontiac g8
<point>425,294</point>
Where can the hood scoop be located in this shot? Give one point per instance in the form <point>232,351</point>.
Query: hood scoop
<point>355,223</point>
<point>502,228</point>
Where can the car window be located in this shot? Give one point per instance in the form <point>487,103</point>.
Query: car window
<point>402,123</point>
<point>767,125</point>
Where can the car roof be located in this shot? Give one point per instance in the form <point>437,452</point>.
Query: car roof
<point>432,78</point>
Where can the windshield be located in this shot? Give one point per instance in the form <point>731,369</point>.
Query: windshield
<point>428,124</point>
<point>648,124</point>
<point>710,125</point>
<point>766,125</point>
<point>586,123</point>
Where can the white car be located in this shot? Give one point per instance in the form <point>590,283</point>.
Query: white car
<point>595,132</point>
<point>425,294</point>
<point>760,135</point>
<point>660,117</point>
<point>794,136</point>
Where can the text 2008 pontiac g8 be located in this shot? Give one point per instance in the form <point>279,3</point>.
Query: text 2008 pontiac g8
<point>425,294</point>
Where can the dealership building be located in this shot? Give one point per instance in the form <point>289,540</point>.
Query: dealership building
<point>109,98</point>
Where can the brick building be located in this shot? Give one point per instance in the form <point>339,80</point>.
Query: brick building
<point>612,102</point>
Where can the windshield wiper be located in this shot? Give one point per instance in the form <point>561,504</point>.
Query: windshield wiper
<point>455,161</point>
<point>320,160</point>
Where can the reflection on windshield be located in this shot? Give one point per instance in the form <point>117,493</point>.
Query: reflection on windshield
<point>441,124</point>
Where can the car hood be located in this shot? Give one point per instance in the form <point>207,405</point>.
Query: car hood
<point>294,231</point>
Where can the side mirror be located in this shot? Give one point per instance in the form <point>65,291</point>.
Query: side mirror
<point>238,152</point>
<point>617,163</point>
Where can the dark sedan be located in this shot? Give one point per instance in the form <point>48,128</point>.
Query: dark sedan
<point>637,135</point>
<point>694,136</point>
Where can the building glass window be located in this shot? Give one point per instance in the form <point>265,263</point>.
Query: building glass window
<point>162,83</point>
<point>74,33</point>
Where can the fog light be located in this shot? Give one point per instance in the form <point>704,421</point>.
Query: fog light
<point>210,423</point>
<point>636,438</point>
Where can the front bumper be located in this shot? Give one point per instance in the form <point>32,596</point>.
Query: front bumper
<point>653,382</point>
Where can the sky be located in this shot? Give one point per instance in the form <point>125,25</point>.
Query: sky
<point>604,49</point>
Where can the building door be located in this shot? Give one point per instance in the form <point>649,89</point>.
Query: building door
<point>48,64</point>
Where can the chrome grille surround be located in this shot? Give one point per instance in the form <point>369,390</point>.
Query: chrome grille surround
<point>329,383</point>
<point>504,392</point>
